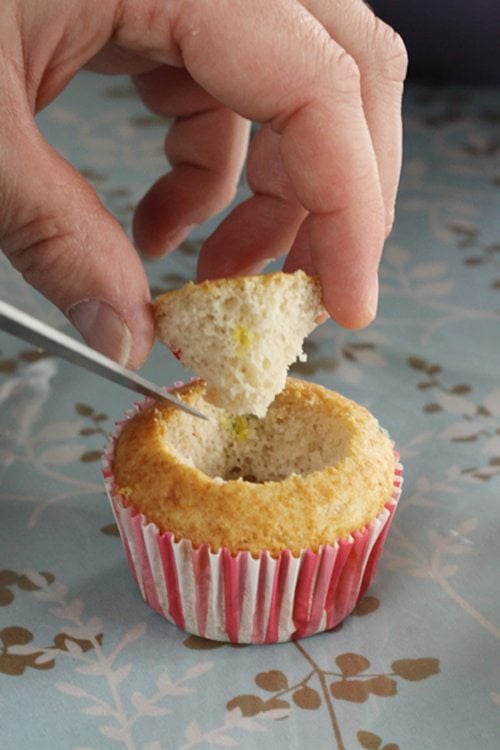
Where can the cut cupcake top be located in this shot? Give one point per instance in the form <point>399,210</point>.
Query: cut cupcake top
<point>240,334</point>
<point>317,468</point>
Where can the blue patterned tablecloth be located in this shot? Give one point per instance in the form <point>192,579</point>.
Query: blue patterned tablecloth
<point>84,664</point>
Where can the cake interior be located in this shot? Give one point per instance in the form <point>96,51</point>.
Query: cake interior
<point>240,334</point>
<point>288,440</point>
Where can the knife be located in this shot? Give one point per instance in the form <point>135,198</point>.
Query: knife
<point>51,340</point>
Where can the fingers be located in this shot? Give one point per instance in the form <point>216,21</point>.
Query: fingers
<point>315,105</point>
<point>298,70</point>
<point>381,58</point>
<point>206,148</point>
<point>382,61</point>
<point>56,233</point>
<point>261,228</point>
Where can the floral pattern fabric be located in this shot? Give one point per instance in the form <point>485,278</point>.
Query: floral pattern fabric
<point>84,664</point>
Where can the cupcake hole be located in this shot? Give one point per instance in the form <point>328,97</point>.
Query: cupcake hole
<point>292,439</point>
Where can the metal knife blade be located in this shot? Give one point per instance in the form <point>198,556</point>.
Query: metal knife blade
<point>51,340</point>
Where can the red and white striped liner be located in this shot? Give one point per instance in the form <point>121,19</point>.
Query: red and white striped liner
<point>239,598</point>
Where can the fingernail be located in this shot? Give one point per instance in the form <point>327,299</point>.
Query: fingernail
<point>372,299</point>
<point>102,328</point>
<point>389,222</point>
<point>321,318</point>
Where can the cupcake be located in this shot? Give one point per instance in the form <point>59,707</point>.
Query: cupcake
<point>253,529</point>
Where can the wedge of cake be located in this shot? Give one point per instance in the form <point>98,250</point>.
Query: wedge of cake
<point>241,334</point>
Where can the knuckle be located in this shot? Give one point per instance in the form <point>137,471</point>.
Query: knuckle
<point>389,51</point>
<point>348,72</point>
<point>348,66</point>
<point>39,248</point>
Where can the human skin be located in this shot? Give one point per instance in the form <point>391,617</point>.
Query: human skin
<point>323,78</point>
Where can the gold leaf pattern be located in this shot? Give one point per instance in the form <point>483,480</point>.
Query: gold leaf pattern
<point>352,664</point>
<point>89,456</point>
<point>16,652</point>
<point>110,530</point>
<point>272,680</point>
<point>366,606</point>
<point>355,691</point>
<point>307,698</point>
<point>196,643</point>
<point>6,596</point>
<point>369,740</point>
<point>84,410</point>
<point>382,685</point>
<point>342,688</point>
<point>15,636</point>
<point>416,669</point>
<point>251,705</point>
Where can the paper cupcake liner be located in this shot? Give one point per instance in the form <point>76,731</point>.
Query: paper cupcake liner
<point>239,598</point>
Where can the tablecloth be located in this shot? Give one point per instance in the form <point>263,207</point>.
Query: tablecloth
<point>84,664</point>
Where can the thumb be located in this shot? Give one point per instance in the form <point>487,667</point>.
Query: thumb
<point>56,232</point>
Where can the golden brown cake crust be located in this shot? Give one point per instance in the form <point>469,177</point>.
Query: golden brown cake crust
<point>296,513</point>
<point>237,284</point>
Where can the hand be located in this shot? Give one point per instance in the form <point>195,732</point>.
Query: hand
<point>323,77</point>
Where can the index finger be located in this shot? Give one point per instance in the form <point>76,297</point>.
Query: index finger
<point>279,65</point>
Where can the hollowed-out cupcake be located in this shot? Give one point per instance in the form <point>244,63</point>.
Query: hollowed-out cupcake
<point>247,529</point>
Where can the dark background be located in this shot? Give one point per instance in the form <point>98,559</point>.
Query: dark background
<point>448,41</point>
